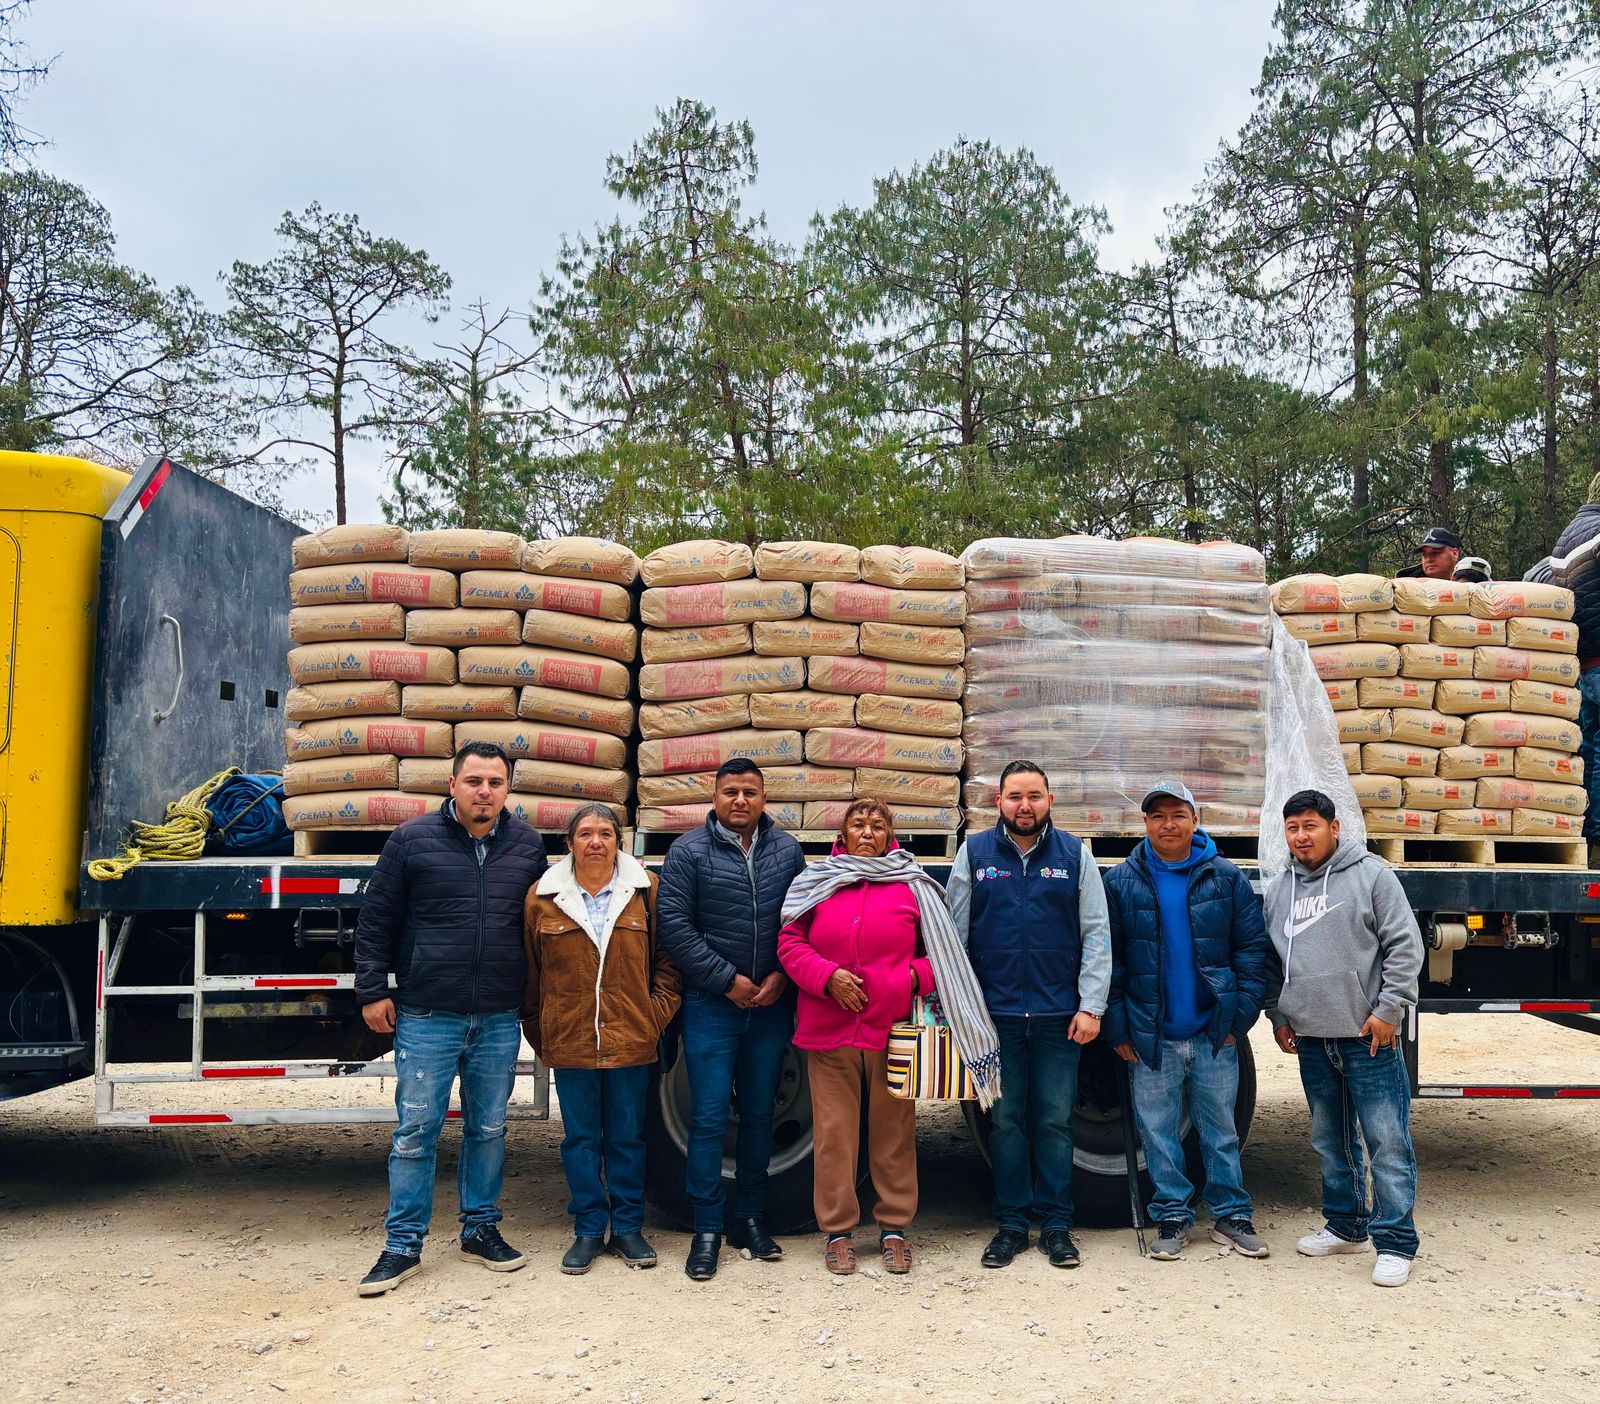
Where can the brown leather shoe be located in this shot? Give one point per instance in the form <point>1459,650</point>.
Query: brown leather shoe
<point>896,1253</point>
<point>840,1256</point>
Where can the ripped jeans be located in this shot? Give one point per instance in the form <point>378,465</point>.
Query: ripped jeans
<point>431,1048</point>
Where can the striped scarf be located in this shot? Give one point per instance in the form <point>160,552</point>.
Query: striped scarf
<point>959,999</point>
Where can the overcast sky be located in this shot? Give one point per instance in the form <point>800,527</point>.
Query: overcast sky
<point>478,129</point>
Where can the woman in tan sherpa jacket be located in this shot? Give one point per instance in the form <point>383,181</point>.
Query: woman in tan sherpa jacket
<point>600,991</point>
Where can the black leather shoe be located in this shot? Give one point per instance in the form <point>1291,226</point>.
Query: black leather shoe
<point>1058,1246</point>
<point>701,1264</point>
<point>580,1257</point>
<point>1003,1247</point>
<point>633,1248</point>
<point>748,1233</point>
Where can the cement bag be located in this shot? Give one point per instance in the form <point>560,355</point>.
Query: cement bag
<point>692,787</point>
<point>1464,631</point>
<point>1473,762</point>
<point>369,809</point>
<point>1418,726</point>
<point>456,702</point>
<point>913,643</point>
<point>1416,822</point>
<point>1026,592</point>
<point>823,816</point>
<point>1511,599</point>
<point>1386,758</point>
<point>1532,794</point>
<point>1342,693</point>
<point>1506,664</point>
<point>1098,818</point>
<point>542,741</point>
<point>581,558</point>
<point>1306,594</point>
<point>1523,729</point>
<point>340,544</point>
<point>912,568</point>
<point>1363,724</point>
<point>1538,763</point>
<point>579,709</point>
<point>688,645</point>
<point>1460,698</point>
<point>1467,823</point>
<point>544,628</point>
<point>1431,661</point>
<point>318,623</point>
<point>801,709</point>
<point>312,777</point>
<point>425,777</point>
<point>1546,699</point>
<point>802,783</point>
<point>1394,692</point>
<point>1350,758</point>
<point>1187,624</point>
<point>807,561</point>
<point>722,602</point>
<point>715,677</point>
<point>1428,793</point>
<point>373,584</point>
<point>1322,628</point>
<point>1116,591</point>
<point>1390,626</point>
<point>460,549</point>
<point>1544,635</point>
<point>852,746</point>
<point>1541,823</point>
<point>858,604</point>
<point>370,662</point>
<point>807,637</point>
<point>895,679</point>
<point>551,814</point>
<point>341,699</point>
<point>538,667</point>
<point>1231,595</point>
<point>676,818</point>
<point>1359,593</point>
<point>920,716</point>
<point>925,819</point>
<point>662,719</point>
<point>1230,818</point>
<point>458,628</point>
<point>1356,660</point>
<point>364,736</point>
<point>1420,594</point>
<point>575,781</point>
<point>917,787</point>
<point>1378,791</point>
<point>680,753</point>
<point>1003,557</point>
<point>514,589</point>
<point>695,562</point>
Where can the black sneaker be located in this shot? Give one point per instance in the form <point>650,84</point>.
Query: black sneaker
<point>389,1272</point>
<point>1057,1245</point>
<point>484,1245</point>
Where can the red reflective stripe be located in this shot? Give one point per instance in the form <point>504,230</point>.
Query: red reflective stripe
<point>1592,890</point>
<point>452,1116</point>
<point>1554,1007</point>
<point>265,982</point>
<point>300,885</point>
<point>1578,1091</point>
<point>156,483</point>
<point>1497,1092</point>
<point>244,1072</point>
<point>172,1118</point>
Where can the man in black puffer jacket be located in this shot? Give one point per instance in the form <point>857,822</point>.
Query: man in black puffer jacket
<point>1584,582</point>
<point>720,906</point>
<point>443,913</point>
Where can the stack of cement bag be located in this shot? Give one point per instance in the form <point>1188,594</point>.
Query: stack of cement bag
<point>408,644</point>
<point>1457,703</point>
<point>1113,665</point>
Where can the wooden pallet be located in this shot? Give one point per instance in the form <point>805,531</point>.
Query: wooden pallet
<point>1453,851</point>
<point>925,845</point>
<point>367,841</point>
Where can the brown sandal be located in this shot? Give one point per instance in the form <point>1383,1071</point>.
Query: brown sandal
<point>840,1256</point>
<point>896,1253</point>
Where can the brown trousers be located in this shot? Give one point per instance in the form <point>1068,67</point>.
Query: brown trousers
<point>837,1079</point>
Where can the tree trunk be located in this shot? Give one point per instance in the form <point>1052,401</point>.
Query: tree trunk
<point>1182,436</point>
<point>1360,392</point>
<point>338,440</point>
<point>1441,479</point>
<point>1552,393</point>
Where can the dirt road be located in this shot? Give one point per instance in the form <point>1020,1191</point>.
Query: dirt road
<point>220,1264</point>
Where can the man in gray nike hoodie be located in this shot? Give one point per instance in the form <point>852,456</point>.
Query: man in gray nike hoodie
<point>1346,954</point>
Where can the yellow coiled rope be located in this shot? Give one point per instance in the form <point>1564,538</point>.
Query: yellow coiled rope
<point>181,835</point>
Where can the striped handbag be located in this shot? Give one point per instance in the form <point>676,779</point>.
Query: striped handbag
<point>924,1063</point>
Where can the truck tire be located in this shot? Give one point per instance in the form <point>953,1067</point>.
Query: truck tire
<point>1099,1162</point>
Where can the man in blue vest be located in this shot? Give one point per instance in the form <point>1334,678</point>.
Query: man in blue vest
<point>1027,899</point>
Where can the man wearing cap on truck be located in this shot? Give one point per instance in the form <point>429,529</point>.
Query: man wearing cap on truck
<point>1439,550</point>
<point>1189,956</point>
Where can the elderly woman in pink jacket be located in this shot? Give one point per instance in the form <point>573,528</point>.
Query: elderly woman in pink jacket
<point>852,944</point>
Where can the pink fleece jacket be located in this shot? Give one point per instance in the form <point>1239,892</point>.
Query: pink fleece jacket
<point>870,929</point>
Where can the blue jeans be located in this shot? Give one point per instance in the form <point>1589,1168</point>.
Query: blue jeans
<point>1346,1089</point>
<point>730,1051</point>
<point>1030,1130</point>
<point>431,1048</point>
<point>602,1152</point>
<point>1189,1073</point>
<point>1589,724</point>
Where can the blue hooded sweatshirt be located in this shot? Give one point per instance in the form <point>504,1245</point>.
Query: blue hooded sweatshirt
<point>1186,998</point>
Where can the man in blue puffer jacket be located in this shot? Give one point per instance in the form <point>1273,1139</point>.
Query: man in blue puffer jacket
<point>1189,954</point>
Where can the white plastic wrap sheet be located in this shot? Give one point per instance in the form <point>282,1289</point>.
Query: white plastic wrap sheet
<point>1302,751</point>
<point>1115,664</point>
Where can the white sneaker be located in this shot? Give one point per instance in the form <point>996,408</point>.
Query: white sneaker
<point>1391,1270</point>
<point>1325,1242</point>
